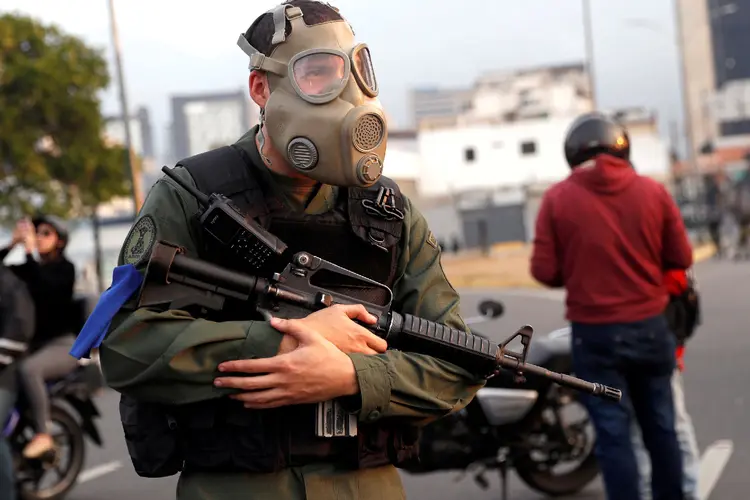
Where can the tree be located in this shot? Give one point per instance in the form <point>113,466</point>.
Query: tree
<point>52,154</point>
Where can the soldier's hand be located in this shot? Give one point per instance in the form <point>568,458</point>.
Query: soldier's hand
<point>336,324</point>
<point>315,371</point>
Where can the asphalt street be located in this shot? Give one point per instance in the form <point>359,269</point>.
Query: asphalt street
<point>716,384</point>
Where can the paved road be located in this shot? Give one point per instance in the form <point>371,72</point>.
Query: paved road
<point>716,382</point>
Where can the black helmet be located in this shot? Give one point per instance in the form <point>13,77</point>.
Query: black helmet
<point>593,134</point>
<point>59,225</point>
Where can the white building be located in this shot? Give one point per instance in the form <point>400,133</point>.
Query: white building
<point>434,104</point>
<point>512,155</point>
<point>507,96</point>
<point>402,161</point>
<point>202,122</point>
<point>141,135</point>
<point>114,133</point>
<point>548,92</point>
<point>140,131</point>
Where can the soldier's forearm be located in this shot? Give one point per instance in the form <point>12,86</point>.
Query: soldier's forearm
<point>172,358</point>
<point>401,384</point>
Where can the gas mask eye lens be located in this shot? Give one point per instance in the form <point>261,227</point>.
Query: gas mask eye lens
<point>320,74</point>
<point>364,71</point>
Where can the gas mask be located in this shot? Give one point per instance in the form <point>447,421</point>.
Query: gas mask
<point>318,114</point>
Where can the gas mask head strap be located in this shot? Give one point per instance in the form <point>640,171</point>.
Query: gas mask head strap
<point>258,60</point>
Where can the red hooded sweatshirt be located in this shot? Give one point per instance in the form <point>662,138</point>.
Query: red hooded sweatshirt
<point>607,235</point>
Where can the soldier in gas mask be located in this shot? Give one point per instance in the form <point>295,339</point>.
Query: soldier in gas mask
<point>311,173</point>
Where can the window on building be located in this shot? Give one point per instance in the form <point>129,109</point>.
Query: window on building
<point>528,148</point>
<point>469,154</point>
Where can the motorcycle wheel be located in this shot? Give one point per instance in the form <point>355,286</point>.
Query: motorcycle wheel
<point>543,479</point>
<point>69,427</point>
<point>560,485</point>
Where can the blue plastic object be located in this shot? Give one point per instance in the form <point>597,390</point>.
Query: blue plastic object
<point>126,280</point>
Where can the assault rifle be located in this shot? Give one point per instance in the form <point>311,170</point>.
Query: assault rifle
<point>177,281</point>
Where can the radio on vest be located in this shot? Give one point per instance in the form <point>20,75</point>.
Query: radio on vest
<point>241,235</point>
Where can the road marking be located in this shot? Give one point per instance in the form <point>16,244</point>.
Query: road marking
<point>555,295</point>
<point>713,461</point>
<point>98,471</point>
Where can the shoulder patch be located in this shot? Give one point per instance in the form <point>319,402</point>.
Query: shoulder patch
<point>431,240</point>
<point>140,241</point>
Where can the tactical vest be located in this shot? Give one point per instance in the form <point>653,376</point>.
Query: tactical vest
<point>222,435</point>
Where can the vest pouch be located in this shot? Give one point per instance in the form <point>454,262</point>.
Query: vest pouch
<point>151,437</point>
<point>253,438</point>
<point>207,447</point>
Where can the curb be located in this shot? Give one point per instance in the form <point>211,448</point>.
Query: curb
<point>484,281</point>
<point>703,252</point>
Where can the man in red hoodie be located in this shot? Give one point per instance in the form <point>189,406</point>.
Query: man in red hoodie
<point>607,235</point>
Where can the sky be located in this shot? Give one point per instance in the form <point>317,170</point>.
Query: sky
<point>172,47</point>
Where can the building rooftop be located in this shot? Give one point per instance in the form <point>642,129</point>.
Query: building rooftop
<point>553,69</point>
<point>402,134</point>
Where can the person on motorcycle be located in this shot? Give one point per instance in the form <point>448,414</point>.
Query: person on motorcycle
<point>607,234</point>
<point>683,315</point>
<point>16,329</point>
<point>50,278</point>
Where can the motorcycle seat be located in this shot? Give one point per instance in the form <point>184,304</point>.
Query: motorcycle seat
<point>85,375</point>
<point>69,378</point>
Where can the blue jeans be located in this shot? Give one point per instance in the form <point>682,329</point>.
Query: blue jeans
<point>688,445</point>
<point>7,481</point>
<point>637,358</point>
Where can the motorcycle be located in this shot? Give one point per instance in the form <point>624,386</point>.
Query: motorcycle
<point>520,425</point>
<point>73,413</point>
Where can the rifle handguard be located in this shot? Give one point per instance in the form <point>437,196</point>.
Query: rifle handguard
<point>471,352</point>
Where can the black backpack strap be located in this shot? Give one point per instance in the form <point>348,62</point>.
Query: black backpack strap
<point>376,214</point>
<point>226,171</point>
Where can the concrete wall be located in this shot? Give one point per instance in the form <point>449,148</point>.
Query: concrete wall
<point>443,218</point>
<point>493,224</point>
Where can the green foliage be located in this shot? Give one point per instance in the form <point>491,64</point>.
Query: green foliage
<point>52,156</point>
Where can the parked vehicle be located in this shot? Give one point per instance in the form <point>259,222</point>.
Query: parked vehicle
<point>73,414</point>
<point>525,426</point>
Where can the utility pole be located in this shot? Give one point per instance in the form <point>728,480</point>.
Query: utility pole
<point>589,41</point>
<point>135,174</point>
